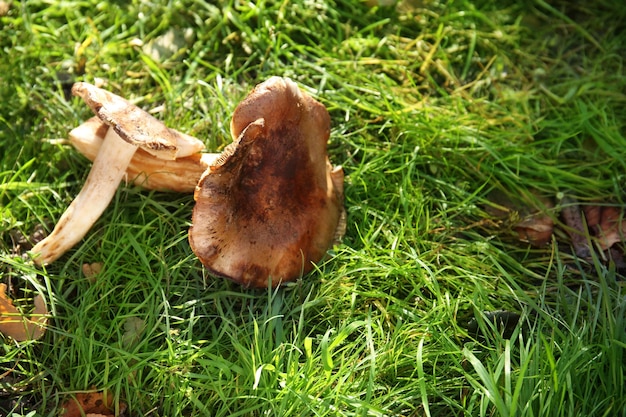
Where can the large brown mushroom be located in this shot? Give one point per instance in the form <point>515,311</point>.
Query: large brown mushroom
<point>129,128</point>
<point>270,207</point>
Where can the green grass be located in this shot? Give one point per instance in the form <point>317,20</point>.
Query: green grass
<point>434,107</point>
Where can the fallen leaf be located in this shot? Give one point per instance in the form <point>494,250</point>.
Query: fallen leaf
<point>94,404</point>
<point>532,224</point>
<point>605,226</point>
<point>169,44</point>
<point>16,325</point>
<point>23,243</point>
<point>611,227</point>
<point>91,271</point>
<point>133,329</point>
<point>573,217</point>
<point>592,216</point>
<point>535,229</point>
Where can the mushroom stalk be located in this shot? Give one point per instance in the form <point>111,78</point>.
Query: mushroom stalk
<point>108,170</point>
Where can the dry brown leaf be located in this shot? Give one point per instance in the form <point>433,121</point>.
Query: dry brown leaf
<point>91,271</point>
<point>95,404</point>
<point>572,215</point>
<point>531,221</point>
<point>535,229</point>
<point>16,325</point>
<point>592,216</point>
<point>603,225</point>
<point>23,243</point>
<point>611,227</point>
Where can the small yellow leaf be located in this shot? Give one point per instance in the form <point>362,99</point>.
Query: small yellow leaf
<point>17,326</point>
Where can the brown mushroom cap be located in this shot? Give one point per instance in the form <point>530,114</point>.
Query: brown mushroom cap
<point>269,208</point>
<point>134,125</point>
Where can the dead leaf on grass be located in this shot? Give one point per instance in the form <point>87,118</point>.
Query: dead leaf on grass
<point>535,229</point>
<point>168,45</point>
<point>611,227</point>
<point>94,404</point>
<point>23,243</point>
<point>531,223</point>
<point>133,330</point>
<point>91,271</point>
<point>605,224</point>
<point>590,228</point>
<point>16,325</point>
<point>572,215</point>
<point>592,216</point>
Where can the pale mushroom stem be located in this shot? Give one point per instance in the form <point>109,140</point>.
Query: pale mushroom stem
<point>107,172</point>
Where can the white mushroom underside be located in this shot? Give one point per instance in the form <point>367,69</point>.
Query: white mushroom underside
<point>106,174</point>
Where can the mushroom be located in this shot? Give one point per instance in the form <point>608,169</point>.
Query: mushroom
<point>145,170</point>
<point>130,128</point>
<point>270,207</point>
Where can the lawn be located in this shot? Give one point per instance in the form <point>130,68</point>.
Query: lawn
<point>453,121</point>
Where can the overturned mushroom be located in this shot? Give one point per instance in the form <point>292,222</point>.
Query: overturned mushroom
<point>145,170</point>
<point>130,128</point>
<point>271,206</point>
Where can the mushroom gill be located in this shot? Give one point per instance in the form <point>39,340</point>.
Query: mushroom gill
<point>269,208</point>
